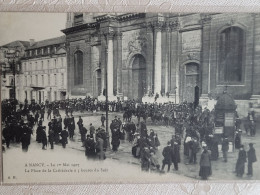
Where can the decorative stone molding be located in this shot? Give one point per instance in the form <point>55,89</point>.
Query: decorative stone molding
<point>172,26</point>
<point>158,25</point>
<point>231,22</point>
<point>119,35</point>
<point>205,19</point>
<point>148,26</point>
<point>138,44</point>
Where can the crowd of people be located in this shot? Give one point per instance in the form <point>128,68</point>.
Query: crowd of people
<point>194,131</point>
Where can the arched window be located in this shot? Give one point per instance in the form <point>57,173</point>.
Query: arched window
<point>231,55</point>
<point>78,68</point>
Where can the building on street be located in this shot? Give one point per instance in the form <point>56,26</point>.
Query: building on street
<point>179,57</point>
<point>12,68</point>
<point>44,67</point>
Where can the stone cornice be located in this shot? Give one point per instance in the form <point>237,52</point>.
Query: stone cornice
<point>205,19</point>
<point>81,27</point>
<point>119,18</point>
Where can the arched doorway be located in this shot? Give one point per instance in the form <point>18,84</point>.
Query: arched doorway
<point>191,87</point>
<point>138,77</point>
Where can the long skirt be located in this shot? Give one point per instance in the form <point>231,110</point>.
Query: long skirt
<point>205,171</point>
<point>240,168</point>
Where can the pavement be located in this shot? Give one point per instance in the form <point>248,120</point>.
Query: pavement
<point>220,169</point>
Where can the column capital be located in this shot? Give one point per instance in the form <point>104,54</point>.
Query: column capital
<point>109,33</point>
<point>205,19</point>
<point>172,26</point>
<point>119,35</point>
<point>158,26</point>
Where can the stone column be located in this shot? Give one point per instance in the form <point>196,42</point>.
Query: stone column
<point>110,75</point>
<point>206,24</point>
<point>256,59</point>
<point>103,63</point>
<point>149,60</point>
<point>87,78</point>
<point>168,59</point>
<point>158,58</point>
<point>119,64</point>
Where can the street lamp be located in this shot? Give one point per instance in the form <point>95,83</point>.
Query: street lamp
<point>13,57</point>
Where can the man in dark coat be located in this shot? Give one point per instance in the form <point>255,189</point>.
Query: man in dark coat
<point>115,139</point>
<point>71,127</point>
<point>64,137</point>
<point>39,133</point>
<point>80,123</point>
<point>176,155</point>
<point>7,135</point>
<point>103,118</point>
<point>51,138</point>
<point>240,165</point>
<point>225,148</point>
<point>167,154</point>
<point>83,132</point>
<point>90,147</point>
<point>237,140</point>
<point>44,138</point>
<point>194,150</point>
<point>25,139</point>
<point>251,159</point>
<point>100,148</point>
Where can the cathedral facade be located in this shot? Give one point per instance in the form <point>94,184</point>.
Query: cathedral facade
<point>182,57</point>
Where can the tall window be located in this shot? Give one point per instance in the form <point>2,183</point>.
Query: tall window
<point>231,55</point>
<point>42,66</point>
<point>78,18</point>
<point>25,79</point>
<point>49,80</point>
<point>55,63</point>
<point>55,79</point>
<point>48,64</point>
<point>78,68</point>
<point>62,79</point>
<point>42,80</point>
<point>36,80</point>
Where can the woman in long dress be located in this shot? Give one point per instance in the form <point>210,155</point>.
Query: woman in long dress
<point>240,166</point>
<point>205,164</point>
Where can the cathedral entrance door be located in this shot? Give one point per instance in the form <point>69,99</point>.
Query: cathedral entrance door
<point>138,77</point>
<point>191,91</point>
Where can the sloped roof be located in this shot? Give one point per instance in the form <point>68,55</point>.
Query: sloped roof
<point>17,44</point>
<point>46,42</point>
<point>225,102</point>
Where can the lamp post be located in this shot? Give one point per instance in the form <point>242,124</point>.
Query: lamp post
<point>175,88</point>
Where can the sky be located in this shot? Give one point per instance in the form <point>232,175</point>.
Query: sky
<point>24,26</point>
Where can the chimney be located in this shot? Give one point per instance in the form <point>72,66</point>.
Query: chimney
<point>32,42</point>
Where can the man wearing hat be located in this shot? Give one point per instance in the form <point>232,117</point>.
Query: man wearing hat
<point>251,159</point>
<point>225,148</point>
<point>167,154</point>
